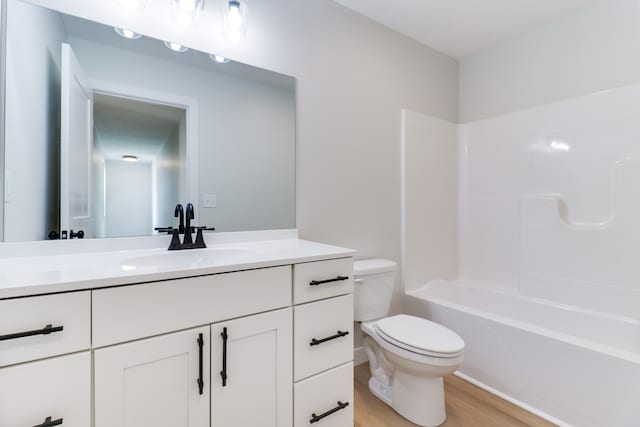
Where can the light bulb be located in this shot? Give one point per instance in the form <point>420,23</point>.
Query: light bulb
<point>127,34</point>
<point>175,47</point>
<point>129,158</point>
<point>186,12</point>
<point>219,59</point>
<point>235,17</point>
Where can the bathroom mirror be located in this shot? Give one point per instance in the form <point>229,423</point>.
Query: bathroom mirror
<point>107,130</point>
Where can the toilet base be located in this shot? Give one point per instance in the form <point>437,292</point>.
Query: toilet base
<point>429,409</point>
<point>380,391</point>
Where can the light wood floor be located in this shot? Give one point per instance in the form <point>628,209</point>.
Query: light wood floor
<point>467,406</point>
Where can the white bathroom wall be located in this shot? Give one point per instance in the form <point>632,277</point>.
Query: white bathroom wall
<point>550,201</point>
<point>246,130</point>
<point>353,78</point>
<point>32,124</point>
<point>592,49</point>
<point>429,199</point>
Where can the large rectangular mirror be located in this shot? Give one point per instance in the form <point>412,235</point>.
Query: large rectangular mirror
<point>106,131</point>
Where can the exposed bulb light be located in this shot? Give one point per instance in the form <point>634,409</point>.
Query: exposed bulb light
<point>219,59</point>
<point>127,34</point>
<point>131,5</point>
<point>129,158</point>
<point>186,12</point>
<point>235,19</point>
<point>175,47</point>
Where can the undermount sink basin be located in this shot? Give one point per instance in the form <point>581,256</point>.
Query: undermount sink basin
<point>187,258</point>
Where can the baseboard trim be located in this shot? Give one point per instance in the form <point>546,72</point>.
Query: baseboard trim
<point>359,356</point>
<point>513,400</point>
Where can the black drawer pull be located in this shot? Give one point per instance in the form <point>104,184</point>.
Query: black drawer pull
<point>44,331</point>
<point>315,418</point>
<point>322,282</point>
<point>223,373</point>
<point>201,364</point>
<point>339,334</point>
<point>49,423</point>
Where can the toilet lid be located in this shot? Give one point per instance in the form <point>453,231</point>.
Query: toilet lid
<point>420,336</point>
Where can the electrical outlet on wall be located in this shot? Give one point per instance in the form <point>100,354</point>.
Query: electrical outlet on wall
<point>209,201</point>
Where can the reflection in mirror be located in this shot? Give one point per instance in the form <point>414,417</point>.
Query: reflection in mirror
<point>105,134</point>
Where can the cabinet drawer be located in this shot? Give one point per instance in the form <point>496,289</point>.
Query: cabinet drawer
<point>38,327</point>
<point>328,396</point>
<point>132,312</point>
<point>59,388</point>
<point>323,335</point>
<point>322,279</point>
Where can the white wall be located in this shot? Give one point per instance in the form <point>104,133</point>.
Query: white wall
<point>593,49</point>
<point>32,122</point>
<point>429,199</point>
<point>246,131</point>
<point>353,78</point>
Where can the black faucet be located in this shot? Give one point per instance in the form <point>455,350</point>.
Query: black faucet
<point>179,212</point>
<point>187,229</point>
<point>187,233</point>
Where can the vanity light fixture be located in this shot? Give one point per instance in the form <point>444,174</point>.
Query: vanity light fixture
<point>235,20</point>
<point>131,5</point>
<point>176,47</point>
<point>219,59</point>
<point>127,34</point>
<point>129,158</point>
<point>185,12</point>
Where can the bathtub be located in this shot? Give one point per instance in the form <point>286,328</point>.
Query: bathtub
<point>570,366</point>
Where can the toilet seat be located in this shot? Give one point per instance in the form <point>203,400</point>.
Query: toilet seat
<point>420,336</point>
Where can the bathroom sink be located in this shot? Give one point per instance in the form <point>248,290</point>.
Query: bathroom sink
<point>187,259</point>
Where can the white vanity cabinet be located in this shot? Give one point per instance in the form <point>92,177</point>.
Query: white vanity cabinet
<point>270,346</point>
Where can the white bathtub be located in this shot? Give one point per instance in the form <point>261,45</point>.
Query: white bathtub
<point>573,367</point>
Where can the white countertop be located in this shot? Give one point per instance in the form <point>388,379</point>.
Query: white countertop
<point>43,274</point>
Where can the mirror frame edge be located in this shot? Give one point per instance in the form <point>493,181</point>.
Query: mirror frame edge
<point>3,48</point>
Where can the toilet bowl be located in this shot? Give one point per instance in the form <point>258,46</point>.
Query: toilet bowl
<point>408,356</point>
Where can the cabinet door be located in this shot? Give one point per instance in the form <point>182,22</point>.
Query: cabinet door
<point>59,388</point>
<point>157,382</point>
<point>258,388</point>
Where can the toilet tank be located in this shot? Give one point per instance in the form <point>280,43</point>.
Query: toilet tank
<point>373,288</point>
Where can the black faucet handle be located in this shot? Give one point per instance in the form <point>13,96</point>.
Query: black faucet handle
<point>179,211</point>
<point>203,228</point>
<point>190,213</point>
<point>167,230</point>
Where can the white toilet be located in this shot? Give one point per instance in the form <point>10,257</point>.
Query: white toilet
<point>408,355</point>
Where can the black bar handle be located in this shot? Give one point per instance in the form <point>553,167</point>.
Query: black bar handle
<point>50,423</point>
<point>338,334</point>
<point>315,418</point>
<point>223,373</point>
<point>322,282</point>
<point>44,331</point>
<point>201,367</point>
